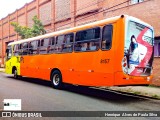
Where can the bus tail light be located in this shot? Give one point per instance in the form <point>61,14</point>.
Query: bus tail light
<point>124,65</point>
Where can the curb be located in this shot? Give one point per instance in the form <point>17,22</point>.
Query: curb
<point>146,91</point>
<point>137,91</point>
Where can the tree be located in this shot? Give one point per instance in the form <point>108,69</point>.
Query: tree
<point>26,32</point>
<point>38,28</point>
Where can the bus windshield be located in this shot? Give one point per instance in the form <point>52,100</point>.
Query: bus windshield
<point>8,53</point>
<point>138,49</point>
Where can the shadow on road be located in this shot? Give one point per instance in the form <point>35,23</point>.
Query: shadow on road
<point>33,80</point>
<point>103,94</point>
<point>90,92</point>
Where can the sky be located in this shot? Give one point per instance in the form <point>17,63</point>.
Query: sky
<point>9,6</point>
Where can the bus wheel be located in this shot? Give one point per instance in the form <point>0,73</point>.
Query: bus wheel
<point>15,73</point>
<point>56,79</point>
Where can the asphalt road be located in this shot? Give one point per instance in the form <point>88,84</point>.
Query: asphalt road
<point>38,95</point>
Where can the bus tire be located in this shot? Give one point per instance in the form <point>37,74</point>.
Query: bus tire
<point>15,73</point>
<point>56,79</point>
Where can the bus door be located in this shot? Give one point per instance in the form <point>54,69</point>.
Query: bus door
<point>8,61</point>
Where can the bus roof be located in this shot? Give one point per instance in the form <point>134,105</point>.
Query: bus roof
<point>94,24</point>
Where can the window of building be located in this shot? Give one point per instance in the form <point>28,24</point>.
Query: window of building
<point>87,40</point>
<point>107,37</point>
<point>157,48</point>
<point>136,1</point>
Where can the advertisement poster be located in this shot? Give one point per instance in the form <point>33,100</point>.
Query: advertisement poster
<point>138,50</point>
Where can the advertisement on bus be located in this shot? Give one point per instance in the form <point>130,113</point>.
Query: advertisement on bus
<point>138,50</point>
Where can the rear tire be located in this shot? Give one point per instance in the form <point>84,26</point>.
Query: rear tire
<point>15,73</point>
<point>56,79</point>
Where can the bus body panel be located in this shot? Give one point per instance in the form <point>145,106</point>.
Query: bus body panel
<point>77,68</point>
<point>122,79</point>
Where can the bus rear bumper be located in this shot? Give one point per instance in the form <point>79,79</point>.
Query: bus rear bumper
<point>122,79</point>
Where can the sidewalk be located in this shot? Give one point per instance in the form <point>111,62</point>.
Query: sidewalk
<point>148,91</point>
<point>2,70</point>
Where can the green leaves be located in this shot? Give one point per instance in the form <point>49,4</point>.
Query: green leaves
<point>26,32</point>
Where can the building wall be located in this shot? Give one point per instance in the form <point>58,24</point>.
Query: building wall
<point>84,6</point>
<point>62,14</point>
<point>45,18</point>
<point>62,9</point>
<point>147,11</point>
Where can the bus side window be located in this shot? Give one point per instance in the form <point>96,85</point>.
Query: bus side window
<point>107,37</point>
<point>33,47</point>
<point>51,45</point>
<point>88,40</point>
<point>42,43</point>
<point>68,43</point>
<point>20,49</point>
<point>15,50</point>
<point>41,47</point>
<point>30,48</point>
<point>59,43</point>
<point>94,42</point>
<point>44,46</point>
<point>25,48</point>
<point>38,46</point>
<point>52,41</point>
<point>84,46</point>
<point>94,45</point>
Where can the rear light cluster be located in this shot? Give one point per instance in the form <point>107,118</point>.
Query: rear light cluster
<point>124,65</point>
<point>125,62</point>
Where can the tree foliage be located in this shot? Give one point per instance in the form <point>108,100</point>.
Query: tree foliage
<point>26,32</point>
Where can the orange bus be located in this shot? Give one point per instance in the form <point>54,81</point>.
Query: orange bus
<point>111,52</point>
